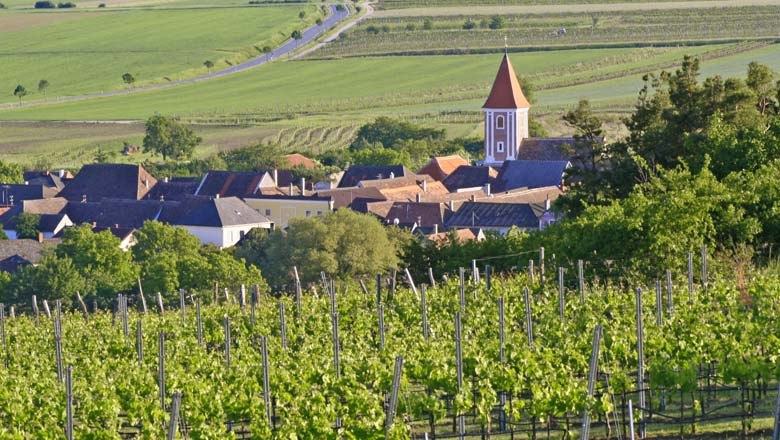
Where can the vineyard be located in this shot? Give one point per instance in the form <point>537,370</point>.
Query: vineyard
<point>525,356</point>
<point>449,34</point>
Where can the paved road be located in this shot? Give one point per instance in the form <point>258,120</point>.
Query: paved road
<point>286,48</point>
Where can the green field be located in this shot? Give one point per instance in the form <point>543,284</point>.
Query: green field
<point>401,35</point>
<point>87,52</point>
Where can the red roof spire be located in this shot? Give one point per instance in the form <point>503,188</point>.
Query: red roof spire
<point>506,91</point>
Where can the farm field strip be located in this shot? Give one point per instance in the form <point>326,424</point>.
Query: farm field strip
<point>460,7</point>
<point>446,35</point>
<point>91,53</point>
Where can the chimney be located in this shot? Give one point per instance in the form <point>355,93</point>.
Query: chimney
<point>165,179</point>
<point>116,225</point>
<point>146,182</point>
<point>61,173</point>
<point>451,205</point>
<point>94,224</point>
<point>392,175</point>
<point>425,185</point>
<point>216,196</point>
<point>11,200</point>
<point>487,190</point>
<point>40,237</point>
<point>162,198</point>
<point>547,203</point>
<point>303,186</point>
<point>83,198</point>
<point>419,197</point>
<point>436,228</point>
<point>291,189</point>
<point>276,177</point>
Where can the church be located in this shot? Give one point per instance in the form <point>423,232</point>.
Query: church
<point>506,126</point>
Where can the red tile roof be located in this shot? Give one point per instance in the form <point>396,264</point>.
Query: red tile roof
<point>441,167</point>
<point>296,159</point>
<point>506,91</point>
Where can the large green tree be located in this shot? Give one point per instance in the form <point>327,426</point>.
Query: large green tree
<point>98,258</point>
<point>27,225</point>
<point>342,244</point>
<point>169,138</point>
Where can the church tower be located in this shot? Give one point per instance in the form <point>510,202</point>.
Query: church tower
<point>506,116</point>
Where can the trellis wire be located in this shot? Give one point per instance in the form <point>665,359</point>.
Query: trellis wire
<point>282,325</point>
<point>411,283</point>
<point>561,299</point>
<point>266,381</point>
<point>183,307</point>
<point>161,367</point>
<point>139,342</point>
<point>58,348</point>
<point>199,322</point>
<point>690,277</point>
<point>581,280</point>
<point>659,307</point>
<point>669,287</point>
<point>462,289</point>
<point>227,341</point>
<point>459,371</point>
<point>174,415</point>
<point>640,380</point>
<point>393,404</point>
<point>529,323</point>
<point>69,403</point>
<point>592,374</point>
<point>424,307</point>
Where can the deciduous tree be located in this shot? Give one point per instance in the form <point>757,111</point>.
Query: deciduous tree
<point>170,138</point>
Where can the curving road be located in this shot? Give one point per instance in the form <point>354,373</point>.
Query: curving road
<point>289,46</point>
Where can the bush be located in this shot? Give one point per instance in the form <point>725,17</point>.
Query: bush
<point>102,5</point>
<point>428,24</point>
<point>66,5</point>
<point>497,22</point>
<point>410,27</point>
<point>2,6</point>
<point>372,29</point>
<point>339,8</point>
<point>469,24</point>
<point>45,4</point>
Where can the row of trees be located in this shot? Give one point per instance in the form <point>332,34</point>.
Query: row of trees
<point>20,91</point>
<point>166,258</point>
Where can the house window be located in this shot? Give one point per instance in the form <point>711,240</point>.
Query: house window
<point>500,147</point>
<point>267,212</point>
<point>499,122</point>
<point>308,213</point>
<point>319,212</point>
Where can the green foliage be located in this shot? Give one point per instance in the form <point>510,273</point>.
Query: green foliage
<point>343,243</point>
<point>11,172</point>
<point>54,278</point>
<point>42,86</point>
<point>497,22</point>
<point>208,64</point>
<point>99,260</point>
<point>20,92</point>
<point>128,78</point>
<point>296,35</point>
<point>381,156</point>
<point>428,24</point>
<point>3,235</point>
<point>27,225</point>
<point>170,138</point>
<point>387,131</point>
<point>260,156</point>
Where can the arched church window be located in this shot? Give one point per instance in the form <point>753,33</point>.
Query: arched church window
<point>500,122</point>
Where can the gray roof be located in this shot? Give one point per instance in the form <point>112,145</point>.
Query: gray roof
<point>530,174</point>
<point>494,215</point>
<point>469,177</point>
<point>30,250</point>
<point>220,212</point>
<point>358,173</point>
<point>98,181</point>
<point>16,193</point>
<point>546,148</point>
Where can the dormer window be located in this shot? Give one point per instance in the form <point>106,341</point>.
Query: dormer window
<point>500,122</point>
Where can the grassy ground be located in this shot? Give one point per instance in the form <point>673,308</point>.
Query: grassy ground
<point>87,52</point>
<point>314,106</point>
<point>400,35</point>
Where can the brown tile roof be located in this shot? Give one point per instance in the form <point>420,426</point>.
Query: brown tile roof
<point>441,167</point>
<point>98,181</point>
<point>238,183</point>
<point>347,197</point>
<point>506,92</point>
<point>296,159</point>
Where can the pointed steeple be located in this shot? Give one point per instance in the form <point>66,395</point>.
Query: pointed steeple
<point>506,92</point>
